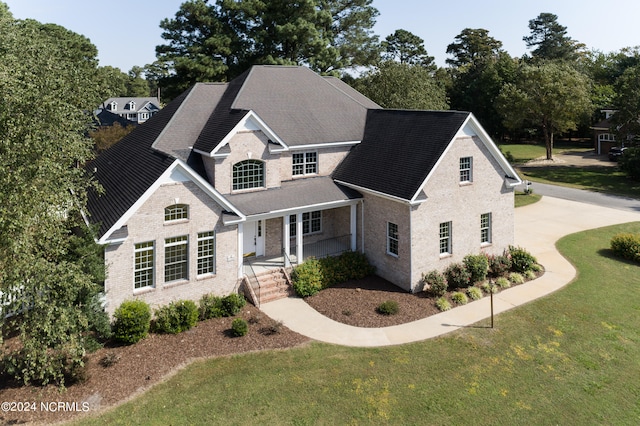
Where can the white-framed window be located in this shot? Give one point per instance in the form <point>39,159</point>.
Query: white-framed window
<point>485,228</point>
<point>606,137</point>
<point>445,238</point>
<point>392,239</point>
<point>466,169</point>
<point>206,252</point>
<point>176,212</point>
<point>311,223</point>
<point>143,116</point>
<point>113,106</point>
<point>305,163</point>
<point>144,261</point>
<point>248,174</point>
<point>176,258</point>
<point>132,106</point>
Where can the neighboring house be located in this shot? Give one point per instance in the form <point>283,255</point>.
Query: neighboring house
<point>136,110</point>
<point>281,164</point>
<point>604,138</point>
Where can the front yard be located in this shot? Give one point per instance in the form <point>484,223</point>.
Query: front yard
<point>570,358</point>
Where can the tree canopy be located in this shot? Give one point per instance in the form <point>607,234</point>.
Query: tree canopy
<point>549,39</point>
<point>44,285</point>
<point>397,85</point>
<point>553,96</point>
<point>473,46</point>
<point>217,42</point>
<point>407,48</point>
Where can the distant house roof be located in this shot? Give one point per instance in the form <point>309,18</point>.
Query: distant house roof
<point>399,149</point>
<point>129,168</point>
<point>107,118</point>
<point>140,103</point>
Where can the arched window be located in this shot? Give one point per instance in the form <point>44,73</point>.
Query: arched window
<point>176,212</point>
<point>248,174</point>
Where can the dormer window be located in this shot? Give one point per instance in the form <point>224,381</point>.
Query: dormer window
<point>176,212</point>
<point>132,106</point>
<point>248,174</point>
<point>113,106</point>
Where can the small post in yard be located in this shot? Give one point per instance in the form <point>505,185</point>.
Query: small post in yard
<point>491,287</point>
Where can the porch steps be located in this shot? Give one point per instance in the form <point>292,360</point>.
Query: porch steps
<point>273,285</point>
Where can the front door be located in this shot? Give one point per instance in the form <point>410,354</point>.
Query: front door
<point>253,243</point>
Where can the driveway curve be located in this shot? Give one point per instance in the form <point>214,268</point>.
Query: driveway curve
<point>538,227</point>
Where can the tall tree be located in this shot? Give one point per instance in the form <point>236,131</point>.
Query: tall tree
<point>397,85</point>
<point>550,95</point>
<point>407,48</point>
<point>550,39</point>
<point>627,104</point>
<point>218,42</point>
<point>473,46</point>
<point>479,69</point>
<point>43,125</point>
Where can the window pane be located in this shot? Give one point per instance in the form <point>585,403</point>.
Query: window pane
<point>176,212</point>
<point>176,258</point>
<point>465,169</point>
<point>445,237</point>
<point>248,174</point>
<point>392,238</point>
<point>206,253</point>
<point>143,265</point>
<point>485,228</point>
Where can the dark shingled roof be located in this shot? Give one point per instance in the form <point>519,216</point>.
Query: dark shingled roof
<point>399,149</point>
<point>129,168</point>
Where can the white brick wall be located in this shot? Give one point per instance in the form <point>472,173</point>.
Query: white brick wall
<point>448,201</point>
<point>148,225</point>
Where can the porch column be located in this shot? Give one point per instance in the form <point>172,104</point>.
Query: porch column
<point>353,228</point>
<point>240,250</point>
<point>286,238</point>
<point>299,253</point>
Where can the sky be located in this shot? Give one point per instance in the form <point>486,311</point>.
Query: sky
<point>126,32</point>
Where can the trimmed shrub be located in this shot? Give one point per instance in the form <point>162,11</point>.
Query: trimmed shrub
<point>626,245</point>
<point>132,321</point>
<point>459,298</point>
<point>457,276</point>
<point>434,283</point>
<point>239,327</point>
<point>307,278</point>
<point>443,304</point>
<point>488,288</point>
<point>232,304</point>
<point>477,265</point>
<point>474,293</point>
<point>530,275</point>
<point>210,306</point>
<point>350,265</point>
<point>176,317</point>
<point>521,259</point>
<point>499,265</point>
<point>516,278</point>
<point>389,307</point>
<point>536,267</point>
<point>503,282</point>
<point>629,163</point>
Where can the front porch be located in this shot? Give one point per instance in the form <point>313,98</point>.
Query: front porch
<point>253,265</point>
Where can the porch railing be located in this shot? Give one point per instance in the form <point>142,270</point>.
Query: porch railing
<point>327,247</point>
<point>252,279</point>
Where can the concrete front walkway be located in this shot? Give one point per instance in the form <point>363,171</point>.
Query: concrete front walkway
<point>538,227</point>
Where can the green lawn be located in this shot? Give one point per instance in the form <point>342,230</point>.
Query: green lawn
<point>523,152</point>
<point>600,179</point>
<point>570,358</point>
<point>522,199</point>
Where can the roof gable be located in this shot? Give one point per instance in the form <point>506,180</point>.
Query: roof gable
<point>399,150</point>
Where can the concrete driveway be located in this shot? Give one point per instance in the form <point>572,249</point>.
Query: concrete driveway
<point>538,227</point>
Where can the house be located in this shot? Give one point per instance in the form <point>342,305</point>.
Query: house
<point>135,110</point>
<point>604,137</point>
<point>281,164</point>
